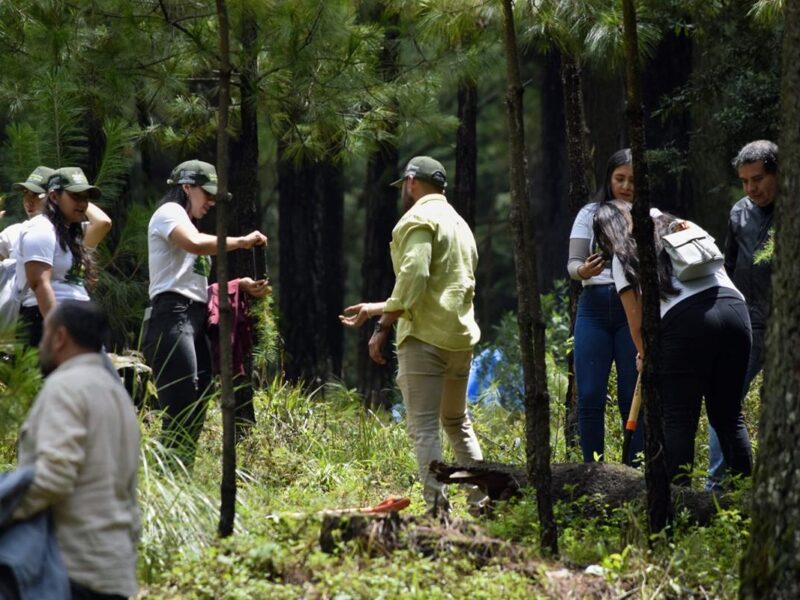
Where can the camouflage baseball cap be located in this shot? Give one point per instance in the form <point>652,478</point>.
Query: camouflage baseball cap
<point>424,167</point>
<point>195,172</point>
<point>36,181</point>
<point>72,179</point>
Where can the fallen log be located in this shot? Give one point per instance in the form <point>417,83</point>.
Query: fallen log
<point>604,485</point>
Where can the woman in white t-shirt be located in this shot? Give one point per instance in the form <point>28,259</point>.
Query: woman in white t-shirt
<point>33,196</point>
<point>175,342</point>
<point>705,344</point>
<point>601,333</point>
<point>53,249</point>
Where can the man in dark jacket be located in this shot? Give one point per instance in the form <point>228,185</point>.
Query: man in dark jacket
<point>749,229</point>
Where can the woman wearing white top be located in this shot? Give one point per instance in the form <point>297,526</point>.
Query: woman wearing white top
<point>601,333</point>
<point>705,344</point>
<point>175,342</point>
<point>54,248</point>
<point>33,195</point>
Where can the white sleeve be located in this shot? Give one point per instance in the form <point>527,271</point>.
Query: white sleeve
<point>39,244</point>
<point>620,281</point>
<point>168,216</point>
<point>582,227</point>
<point>5,243</point>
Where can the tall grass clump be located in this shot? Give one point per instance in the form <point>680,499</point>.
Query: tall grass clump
<point>20,381</point>
<point>178,515</point>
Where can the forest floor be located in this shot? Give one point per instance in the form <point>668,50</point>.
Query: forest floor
<point>310,454</point>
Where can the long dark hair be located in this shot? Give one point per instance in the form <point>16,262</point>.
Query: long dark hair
<point>175,194</point>
<point>611,230</point>
<point>70,237</point>
<point>619,158</point>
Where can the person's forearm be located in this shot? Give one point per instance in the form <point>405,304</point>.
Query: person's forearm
<point>98,227</point>
<point>578,253</point>
<point>388,318</point>
<point>573,267</point>
<point>375,309</point>
<point>206,245</point>
<point>45,298</point>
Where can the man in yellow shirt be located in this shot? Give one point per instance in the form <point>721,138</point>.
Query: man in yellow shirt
<point>434,258</point>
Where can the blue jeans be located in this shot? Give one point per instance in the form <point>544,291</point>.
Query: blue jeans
<point>602,336</point>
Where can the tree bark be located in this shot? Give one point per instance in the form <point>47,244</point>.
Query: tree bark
<point>244,182</point>
<point>580,177</point>
<point>667,72</point>
<point>301,257</point>
<point>771,564</point>
<point>529,311</point>
<point>380,201</point>
<point>659,504</point>
<point>550,217</point>
<point>466,187</point>
<point>331,194</point>
<point>227,510</point>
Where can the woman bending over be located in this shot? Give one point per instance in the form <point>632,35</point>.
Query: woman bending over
<point>705,344</point>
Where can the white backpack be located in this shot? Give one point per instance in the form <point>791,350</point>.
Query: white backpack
<point>10,294</point>
<point>693,253</point>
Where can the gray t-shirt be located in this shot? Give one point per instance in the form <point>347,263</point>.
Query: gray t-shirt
<point>582,228</point>
<point>173,269</point>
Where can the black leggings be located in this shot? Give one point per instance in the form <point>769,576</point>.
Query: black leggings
<point>705,345</point>
<point>33,323</point>
<point>176,348</point>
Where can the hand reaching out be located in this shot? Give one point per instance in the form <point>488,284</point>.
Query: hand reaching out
<point>256,289</point>
<point>356,315</point>
<point>254,238</point>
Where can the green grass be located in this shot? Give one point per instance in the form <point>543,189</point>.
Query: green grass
<point>311,452</point>
<point>314,452</point>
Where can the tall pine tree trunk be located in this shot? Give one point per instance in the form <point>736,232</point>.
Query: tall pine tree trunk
<point>227,511</point>
<point>467,152</point>
<point>659,504</point>
<point>580,177</point>
<point>380,202</point>
<point>771,563</point>
<point>301,258</point>
<point>331,194</point>
<point>244,182</point>
<point>529,310</point>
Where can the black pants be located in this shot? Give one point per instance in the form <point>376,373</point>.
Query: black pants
<point>80,592</point>
<point>176,348</point>
<point>705,346</point>
<point>33,323</point>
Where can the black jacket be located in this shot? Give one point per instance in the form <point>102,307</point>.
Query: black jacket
<point>748,231</point>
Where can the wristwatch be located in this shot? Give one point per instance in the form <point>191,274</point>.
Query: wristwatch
<point>379,327</point>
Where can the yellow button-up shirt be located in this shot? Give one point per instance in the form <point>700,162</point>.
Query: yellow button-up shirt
<point>434,258</point>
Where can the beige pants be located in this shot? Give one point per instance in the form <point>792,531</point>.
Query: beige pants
<point>434,387</point>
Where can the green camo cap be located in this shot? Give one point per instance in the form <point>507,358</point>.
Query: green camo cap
<point>36,181</point>
<point>195,172</point>
<point>72,179</point>
<point>424,167</point>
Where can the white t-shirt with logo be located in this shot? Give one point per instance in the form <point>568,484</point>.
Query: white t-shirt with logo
<point>173,269</point>
<point>686,289</point>
<point>38,243</point>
